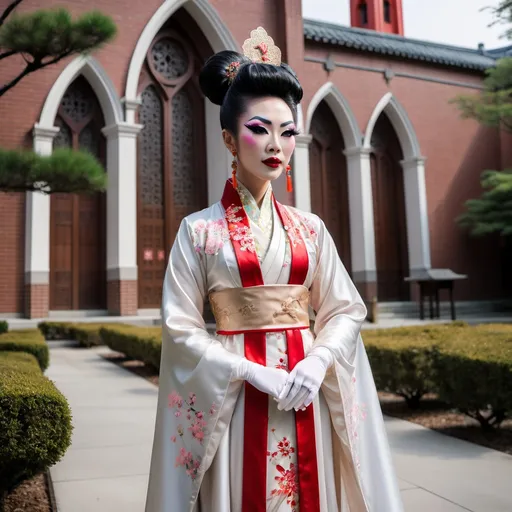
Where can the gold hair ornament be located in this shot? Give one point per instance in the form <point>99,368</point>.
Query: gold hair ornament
<point>260,47</point>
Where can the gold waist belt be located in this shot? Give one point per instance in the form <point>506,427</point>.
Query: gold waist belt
<point>261,308</point>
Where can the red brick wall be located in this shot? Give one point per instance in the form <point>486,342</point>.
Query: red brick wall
<point>12,249</point>
<point>457,151</point>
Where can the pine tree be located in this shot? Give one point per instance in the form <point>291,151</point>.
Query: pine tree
<point>492,212</point>
<point>43,38</point>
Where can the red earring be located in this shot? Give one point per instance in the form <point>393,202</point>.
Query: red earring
<point>234,166</point>
<point>289,186</point>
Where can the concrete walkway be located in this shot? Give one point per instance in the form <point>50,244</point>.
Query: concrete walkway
<point>106,468</point>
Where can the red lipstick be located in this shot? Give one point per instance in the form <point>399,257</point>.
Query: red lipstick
<point>272,162</point>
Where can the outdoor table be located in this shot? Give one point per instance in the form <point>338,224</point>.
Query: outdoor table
<point>430,281</point>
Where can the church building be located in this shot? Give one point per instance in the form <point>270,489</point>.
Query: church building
<point>383,157</point>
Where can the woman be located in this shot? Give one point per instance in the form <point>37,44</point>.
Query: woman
<point>264,415</point>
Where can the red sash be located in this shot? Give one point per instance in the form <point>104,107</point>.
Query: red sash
<point>254,491</point>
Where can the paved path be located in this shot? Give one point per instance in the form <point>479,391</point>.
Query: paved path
<point>106,468</point>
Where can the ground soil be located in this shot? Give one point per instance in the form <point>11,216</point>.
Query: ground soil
<point>31,496</point>
<point>431,414</point>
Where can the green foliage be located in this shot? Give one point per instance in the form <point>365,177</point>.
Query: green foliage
<point>30,341</point>
<point>469,367</point>
<point>4,326</point>
<point>65,170</point>
<point>46,36</point>
<point>492,212</point>
<point>139,343</point>
<point>35,421</point>
<point>503,14</point>
<point>493,107</point>
<point>87,334</point>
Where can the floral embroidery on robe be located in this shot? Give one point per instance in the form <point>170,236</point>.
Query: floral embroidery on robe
<point>286,487</point>
<point>209,236</point>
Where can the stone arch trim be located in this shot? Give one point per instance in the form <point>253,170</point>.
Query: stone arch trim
<point>208,20</point>
<point>100,82</point>
<point>341,110</point>
<point>401,123</point>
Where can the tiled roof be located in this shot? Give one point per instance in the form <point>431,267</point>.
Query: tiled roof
<point>402,47</point>
<point>499,53</point>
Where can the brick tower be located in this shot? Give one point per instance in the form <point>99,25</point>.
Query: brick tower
<point>379,15</point>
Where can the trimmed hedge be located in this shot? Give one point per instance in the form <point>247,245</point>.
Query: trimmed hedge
<point>35,421</point>
<point>4,326</point>
<point>30,341</point>
<point>469,367</point>
<point>87,334</point>
<point>140,343</point>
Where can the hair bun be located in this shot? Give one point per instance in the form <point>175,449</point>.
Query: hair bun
<point>214,79</point>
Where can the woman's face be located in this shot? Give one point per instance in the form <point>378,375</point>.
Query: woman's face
<point>266,139</point>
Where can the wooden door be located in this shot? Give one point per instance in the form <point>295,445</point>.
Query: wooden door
<point>389,214</point>
<point>172,166</point>
<point>78,221</point>
<point>328,179</point>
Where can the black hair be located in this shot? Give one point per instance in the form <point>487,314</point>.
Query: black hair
<point>253,80</point>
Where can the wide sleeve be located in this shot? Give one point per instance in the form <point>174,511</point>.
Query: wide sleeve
<point>339,309</point>
<point>197,394</point>
<point>184,292</point>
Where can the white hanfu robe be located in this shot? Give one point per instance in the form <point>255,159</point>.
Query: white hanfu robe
<point>198,446</point>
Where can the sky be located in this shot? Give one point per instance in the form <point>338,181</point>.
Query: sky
<point>456,22</point>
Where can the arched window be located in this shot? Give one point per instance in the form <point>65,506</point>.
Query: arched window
<point>78,221</point>
<point>387,11</point>
<point>363,13</point>
<point>172,149</point>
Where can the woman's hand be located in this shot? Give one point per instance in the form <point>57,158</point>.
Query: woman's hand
<point>266,379</point>
<point>304,381</point>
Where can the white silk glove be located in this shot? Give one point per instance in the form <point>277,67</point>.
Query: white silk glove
<point>304,381</point>
<point>266,379</point>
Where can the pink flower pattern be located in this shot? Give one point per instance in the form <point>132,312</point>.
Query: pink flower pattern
<point>356,413</point>
<point>231,214</point>
<point>244,236</point>
<point>210,236</point>
<point>197,428</point>
<point>287,480</point>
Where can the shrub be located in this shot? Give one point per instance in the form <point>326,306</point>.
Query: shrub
<point>87,334</point>
<point>474,372</point>
<point>55,330</point>
<point>140,343</point>
<point>30,341</point>
<point>402,361</point>
<point>4,326</point>
<point>35,421</point>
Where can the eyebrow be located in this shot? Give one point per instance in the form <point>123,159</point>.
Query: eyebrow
<point>267,121</point>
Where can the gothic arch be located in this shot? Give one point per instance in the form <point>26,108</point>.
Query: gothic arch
<point>341,110</point>
<point>100,82</point>
<point>401,123</point>
<point>413,165</point>
<point>208,20</point>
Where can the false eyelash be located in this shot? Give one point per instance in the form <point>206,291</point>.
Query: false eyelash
<point>256,128</point>
<point>293,133</point>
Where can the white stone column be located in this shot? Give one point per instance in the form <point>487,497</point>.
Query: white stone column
<point>300,173</point>
<point>37,233</point>
<point>362,232</point>
<point>122,201</point>
<point>418,235</point>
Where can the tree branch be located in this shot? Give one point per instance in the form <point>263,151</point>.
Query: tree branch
<point>8,11</point>
<point>30,68</point>
<point>7,54</point>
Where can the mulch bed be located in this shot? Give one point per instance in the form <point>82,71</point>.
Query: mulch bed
<point>31,496</point>
<point>431,414</point>
<point>438,416</point>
